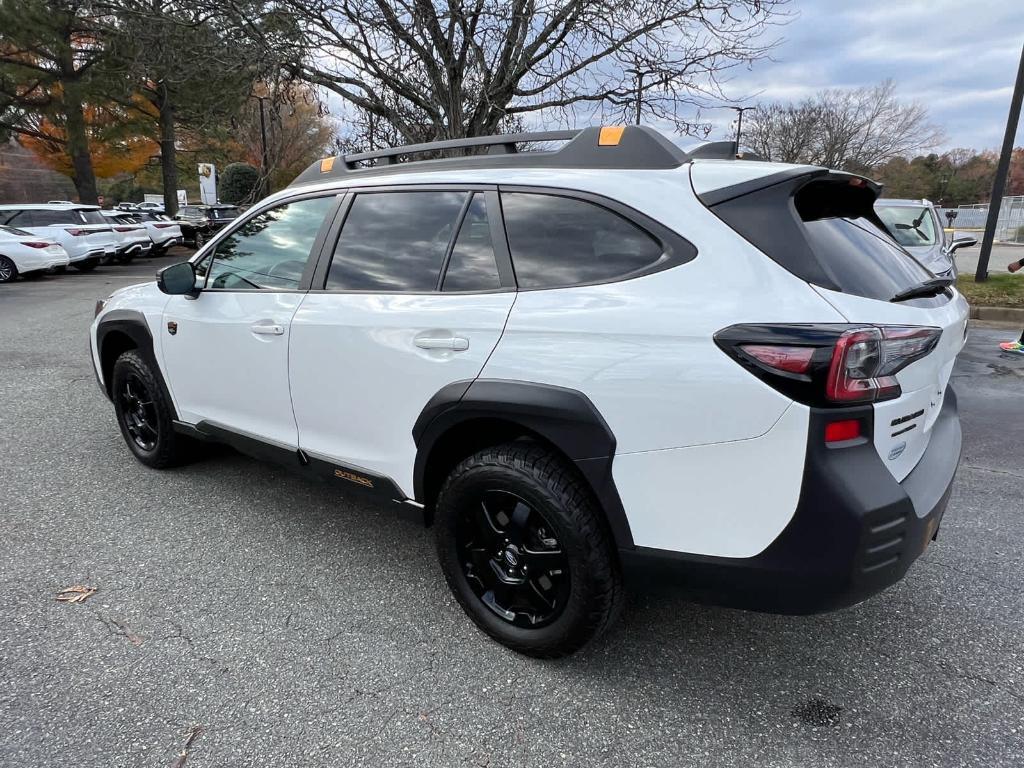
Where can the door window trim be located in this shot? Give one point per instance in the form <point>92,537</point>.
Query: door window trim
<point>675,249</point>
<point>314,252</point>
<point>498,240</point>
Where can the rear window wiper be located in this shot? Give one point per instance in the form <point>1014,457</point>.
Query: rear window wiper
<point>932,287</point>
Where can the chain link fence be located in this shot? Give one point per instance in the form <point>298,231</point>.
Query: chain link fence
<point>1009,226</point>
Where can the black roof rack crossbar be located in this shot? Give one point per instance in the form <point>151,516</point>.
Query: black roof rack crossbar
<point>616,147</point>
<point>507,144</point>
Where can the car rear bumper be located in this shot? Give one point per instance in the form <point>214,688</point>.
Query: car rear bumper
<point>855,532</point>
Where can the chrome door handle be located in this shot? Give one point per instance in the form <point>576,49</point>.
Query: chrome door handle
<point>454,343</point>
<point>267,329</point>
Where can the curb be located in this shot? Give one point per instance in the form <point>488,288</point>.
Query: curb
<point>998,314</point>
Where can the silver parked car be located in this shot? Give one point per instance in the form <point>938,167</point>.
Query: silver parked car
<point>916,226</point>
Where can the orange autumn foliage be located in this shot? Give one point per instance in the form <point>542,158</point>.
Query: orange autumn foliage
<point>117,145</point>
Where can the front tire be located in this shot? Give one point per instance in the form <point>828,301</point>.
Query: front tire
<point>8,272</point>
<point>144,413</point>
<point>526,551</point>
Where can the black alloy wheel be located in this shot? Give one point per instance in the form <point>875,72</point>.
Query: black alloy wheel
<point>512,560</point>
<point>526,550</point>
<point>138,412</point>
<point>145,413</point>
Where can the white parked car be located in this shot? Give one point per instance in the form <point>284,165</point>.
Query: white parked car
<point>163,231</point>
<point>80,229</point>
<point>22,253</point>
<point>579,365</point>
<point>132,237</point>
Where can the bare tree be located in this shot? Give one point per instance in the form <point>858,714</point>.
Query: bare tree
<point>428,70</point>
<point>857,129</point>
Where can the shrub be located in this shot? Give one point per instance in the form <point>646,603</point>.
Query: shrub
<point>238,183</point>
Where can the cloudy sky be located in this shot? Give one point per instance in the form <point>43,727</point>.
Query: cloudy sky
<point>958,57</point>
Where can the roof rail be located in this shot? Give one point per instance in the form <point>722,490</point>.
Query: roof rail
<point>609,147</point>
<point>721,150</point>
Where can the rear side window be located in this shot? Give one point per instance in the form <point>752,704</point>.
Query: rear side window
<point>48,218</point>
<point>561,241</point>
<point>395,241</point>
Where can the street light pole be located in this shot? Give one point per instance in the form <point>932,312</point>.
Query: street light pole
<point>739,127</point>
<point>1002,171</point>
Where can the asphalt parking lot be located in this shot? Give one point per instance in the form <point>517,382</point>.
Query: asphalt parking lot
<point>292,626</point>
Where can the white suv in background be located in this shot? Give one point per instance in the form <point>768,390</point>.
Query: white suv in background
<point>132,237</point>
<point>614,358</point>
<point>80,229</point>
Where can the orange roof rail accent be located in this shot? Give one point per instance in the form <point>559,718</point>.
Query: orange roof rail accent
<point>327,164</point>
<point>610,136</point>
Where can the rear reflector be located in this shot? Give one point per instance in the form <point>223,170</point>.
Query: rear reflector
<point>841,431</point>
<point>781,358</point>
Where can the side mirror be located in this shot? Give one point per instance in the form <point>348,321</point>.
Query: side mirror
<point>962,241</point>
<point>178,280</point>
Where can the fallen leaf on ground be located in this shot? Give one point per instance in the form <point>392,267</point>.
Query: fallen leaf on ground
<point>193,734</point>
<point>76,594</point>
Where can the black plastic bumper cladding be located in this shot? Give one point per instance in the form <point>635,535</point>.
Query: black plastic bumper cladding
<point>855,532</point>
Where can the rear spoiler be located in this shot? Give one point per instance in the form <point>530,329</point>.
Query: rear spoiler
<point>722,194</point>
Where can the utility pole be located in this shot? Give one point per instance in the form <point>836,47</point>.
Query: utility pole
<point>639,94</point>
<point>739,126</point>
<point>264,162</point>
<point>1002,171</point>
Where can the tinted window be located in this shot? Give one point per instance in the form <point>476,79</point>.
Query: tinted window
<point>14,232</point>
<point>394,241</point>
<point>11,217</point>
<point>472,266</point>
<point>559,241</point>
<point>94,217</point>
<point>48,218</point>
<point>189,210</point>
<point>269,250</point>
<point>862,257</point>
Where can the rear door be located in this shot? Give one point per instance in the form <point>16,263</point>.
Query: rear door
<point>414,296</point>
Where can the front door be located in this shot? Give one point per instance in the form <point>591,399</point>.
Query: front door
<point>226,352</point>
<point>415,299</point>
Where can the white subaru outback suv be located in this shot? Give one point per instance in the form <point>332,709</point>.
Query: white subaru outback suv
<point>609,359</point>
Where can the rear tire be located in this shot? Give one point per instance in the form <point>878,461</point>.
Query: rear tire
<point>144,413</point>
<point>8,272</point>
<point>35,274</point>
<point>526,551</point>
<point>199,239</point>
<point>86,265</point>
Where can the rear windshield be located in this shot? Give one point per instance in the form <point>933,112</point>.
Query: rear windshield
<point>14,232</point>
<point>223,213</point>
<point>825,231</point>
<point>93,217</point>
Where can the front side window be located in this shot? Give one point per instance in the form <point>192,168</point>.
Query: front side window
<point>270,250</point>
<point>562,241</point>
<point>394,241</point>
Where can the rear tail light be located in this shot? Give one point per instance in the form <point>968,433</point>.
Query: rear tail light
<point>829,364</point>
<point>124,229</point>
<point>77,232</point>
<point>36,244</point>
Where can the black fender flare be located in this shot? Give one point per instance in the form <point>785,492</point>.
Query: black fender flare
<point>564,417</point>
<point>132,324</point>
